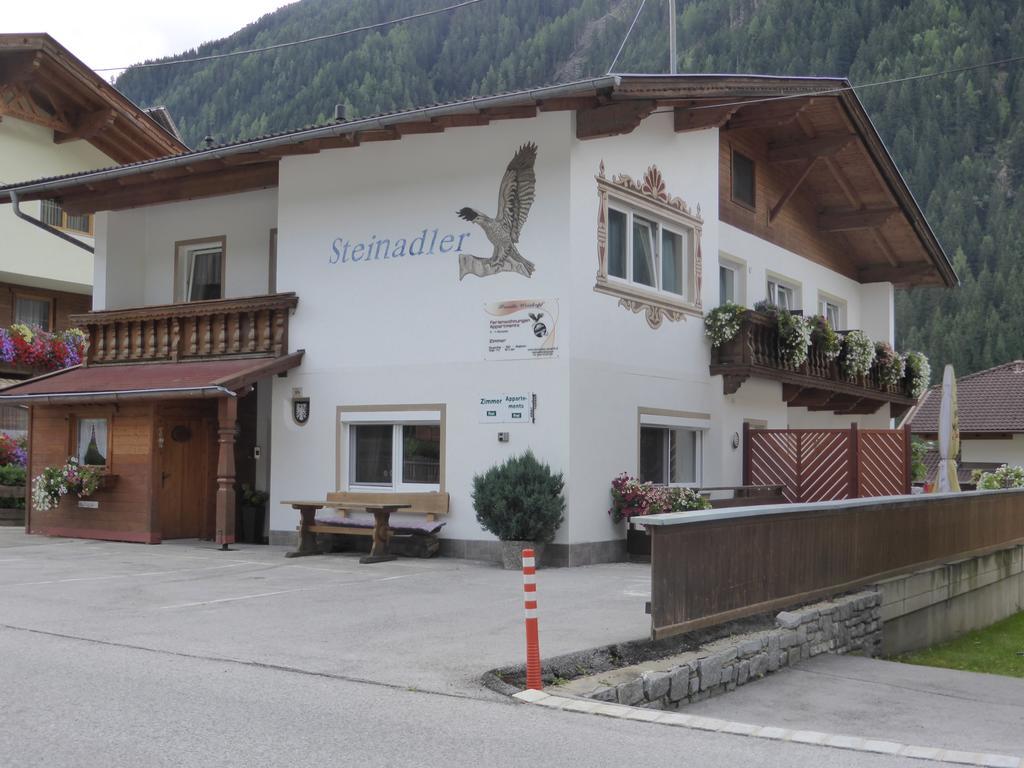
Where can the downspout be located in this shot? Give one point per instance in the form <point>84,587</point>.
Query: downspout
<point>46,227</point>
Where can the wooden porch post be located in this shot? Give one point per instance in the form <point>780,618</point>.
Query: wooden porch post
<point>227,418</point>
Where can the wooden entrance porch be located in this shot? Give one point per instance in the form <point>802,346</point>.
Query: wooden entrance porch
<point>162,386</point>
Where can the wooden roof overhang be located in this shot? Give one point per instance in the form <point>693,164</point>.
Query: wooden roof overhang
<point>43,83</point>
<point>148,381</point>
<point>822,138</point>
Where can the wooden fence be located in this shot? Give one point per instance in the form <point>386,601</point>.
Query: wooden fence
<point>828,464</point>
<point>719,565</point>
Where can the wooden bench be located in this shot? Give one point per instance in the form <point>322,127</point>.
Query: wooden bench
<point>381,505</point>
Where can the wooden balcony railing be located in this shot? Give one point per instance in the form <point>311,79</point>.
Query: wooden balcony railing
<point>250,326</point>
<point>818,384</point>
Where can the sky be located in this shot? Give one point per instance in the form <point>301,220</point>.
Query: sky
<point>116,33</point>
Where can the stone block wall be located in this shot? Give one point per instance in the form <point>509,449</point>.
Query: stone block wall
<point>849,624</point>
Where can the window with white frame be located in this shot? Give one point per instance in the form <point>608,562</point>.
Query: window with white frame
<point>671,448</point>
<point>393,451</point>
<point>650,252</point>
<point>833,310</point>
<point>782,294</point>
<point>199,270</point>
<point>731,281</point>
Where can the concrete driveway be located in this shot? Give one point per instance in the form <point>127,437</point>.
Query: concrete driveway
<point>180,655</point>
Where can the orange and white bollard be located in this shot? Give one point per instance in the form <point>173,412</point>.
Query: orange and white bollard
<point>533,679</point>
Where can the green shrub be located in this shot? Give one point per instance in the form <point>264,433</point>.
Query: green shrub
<point>12,474</point>
<point>1003,477</point>
<point>519,500</point>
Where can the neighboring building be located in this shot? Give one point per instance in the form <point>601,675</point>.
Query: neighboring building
<point>626,207</point>
<point>990,412</point>
<point>57,117</point>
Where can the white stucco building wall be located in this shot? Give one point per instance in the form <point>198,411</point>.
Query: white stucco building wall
<point>28,255</point>
<point>407,332</point>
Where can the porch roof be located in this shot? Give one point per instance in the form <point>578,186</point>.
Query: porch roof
<point>148,381</point>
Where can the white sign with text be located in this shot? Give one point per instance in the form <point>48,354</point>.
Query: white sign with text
<point>506,408</point>
<point>524,329</point>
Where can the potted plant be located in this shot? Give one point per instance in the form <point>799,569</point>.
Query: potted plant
<point>520,501</point>
<point>632,498</point>
<point>254,504</point>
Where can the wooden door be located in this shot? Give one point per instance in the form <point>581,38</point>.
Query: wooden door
<point>183,480</point>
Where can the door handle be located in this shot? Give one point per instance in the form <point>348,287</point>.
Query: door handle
<point>163,478</point>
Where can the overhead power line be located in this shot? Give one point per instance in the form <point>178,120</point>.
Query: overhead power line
<point>278,46</point>
<point>844,88</point>
<point>628,31</point>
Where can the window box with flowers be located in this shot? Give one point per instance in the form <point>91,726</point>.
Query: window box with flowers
<point>54,483</point>
<point>632,498</point>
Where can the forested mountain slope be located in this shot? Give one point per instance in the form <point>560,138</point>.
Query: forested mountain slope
<point>958,138</point>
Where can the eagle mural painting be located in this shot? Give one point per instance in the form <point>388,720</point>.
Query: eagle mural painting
<point>515,196</point>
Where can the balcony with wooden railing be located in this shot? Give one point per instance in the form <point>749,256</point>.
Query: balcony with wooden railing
<point>254,326</point>
<point>818,384</point>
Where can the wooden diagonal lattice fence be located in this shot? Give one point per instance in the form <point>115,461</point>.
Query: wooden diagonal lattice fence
<point>827,464</point>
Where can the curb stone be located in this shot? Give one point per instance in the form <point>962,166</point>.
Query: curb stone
<point>836,741</point>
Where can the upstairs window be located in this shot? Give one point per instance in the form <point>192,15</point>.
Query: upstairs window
<point>732,281</point>
<point>783,295</point>
<point>33,311</point>
<point>743,180</point>
<point>650,253</point>
<point>55,216</point>
<point>832,310</point>
<point>199,270</point>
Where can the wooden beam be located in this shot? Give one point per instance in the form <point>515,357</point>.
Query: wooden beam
<point>17,101</point>
<point>340,142</point>
<point>223,182</point>
<point>843,183</point>
<point>902,274</point>
<point>227,420</point>
<point>569,102</point>
<point>411,129</point>
<point>511,113</point>
<point>310,147</point>
<point>87,126</point>
<point>462,121</point>
<point>788,194</point>
<point>808,149</point>
<point>884,247</point>
<point>378,134</point>
<point>797,396</point>
<point>612,119</point>
<point>846,220</point>
<point>700,117</point>
<point>767,115</point>
<point>20,67</point>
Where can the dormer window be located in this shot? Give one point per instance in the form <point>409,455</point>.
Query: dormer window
<point>743,180</point>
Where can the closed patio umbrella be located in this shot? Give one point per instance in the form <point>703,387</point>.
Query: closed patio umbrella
<point>949,435</point>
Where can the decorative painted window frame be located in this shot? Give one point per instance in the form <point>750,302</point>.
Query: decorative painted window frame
<point>647,195</point>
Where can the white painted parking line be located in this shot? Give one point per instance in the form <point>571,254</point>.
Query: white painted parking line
<point>233,599</point>
<point>834,741</point>
<point>123,575</point>
<point>324,585</point>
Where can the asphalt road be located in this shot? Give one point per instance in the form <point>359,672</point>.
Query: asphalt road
<point>123,655</point>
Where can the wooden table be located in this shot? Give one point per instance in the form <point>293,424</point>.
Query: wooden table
<point>381,526</point>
